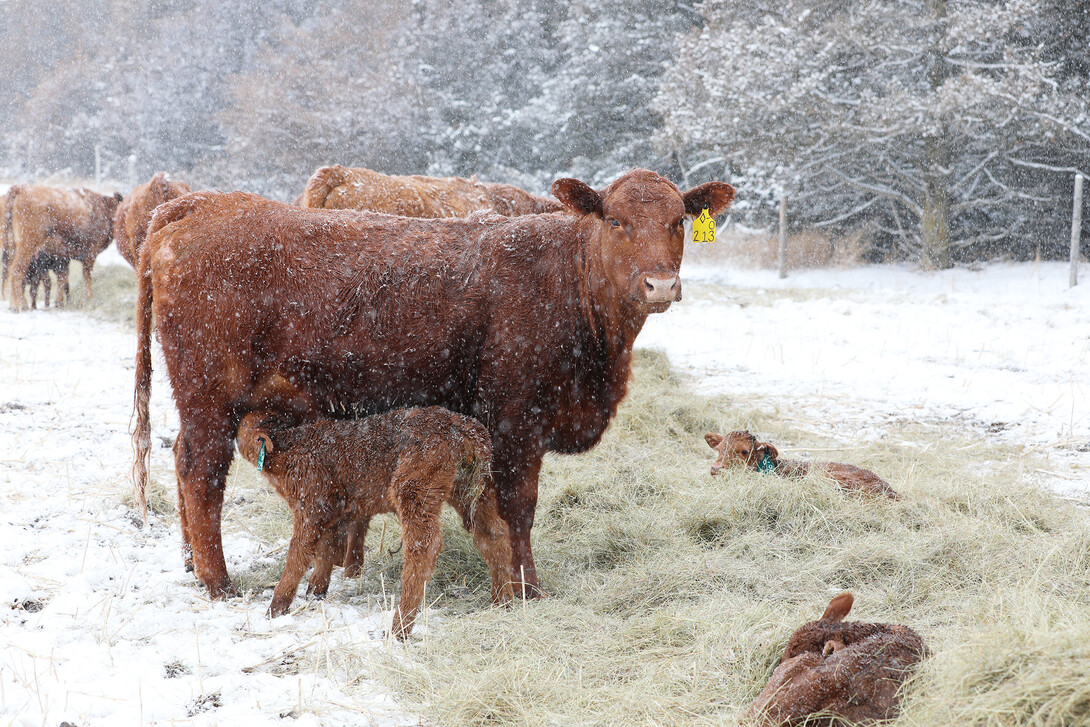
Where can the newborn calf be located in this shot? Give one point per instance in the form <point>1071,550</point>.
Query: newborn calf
<point>337,475</point>
<point>741,449</point>
<point>849,671</point>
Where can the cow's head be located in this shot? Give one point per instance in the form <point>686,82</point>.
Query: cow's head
<point>741,449</point>
<point>640,221</point>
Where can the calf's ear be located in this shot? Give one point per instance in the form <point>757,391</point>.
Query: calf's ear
<point>262,436</point>
<point>765,448</point>
<point>713,440</point>
<point>577,196</point>
<point>716,196</point>
<point>839,607</point>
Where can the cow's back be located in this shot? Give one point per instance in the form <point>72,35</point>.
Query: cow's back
<point>269,305</point>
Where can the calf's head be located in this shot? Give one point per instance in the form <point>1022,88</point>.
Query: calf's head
<point>639,230</point>
<point>741,449</point>
<point>256,430</point>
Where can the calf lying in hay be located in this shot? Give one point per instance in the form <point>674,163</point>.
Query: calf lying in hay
<point>743,449</point>
<point>839,672</point>
<point>337,475</point>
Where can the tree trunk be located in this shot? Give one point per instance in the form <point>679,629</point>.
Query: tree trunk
<point>935,220</point>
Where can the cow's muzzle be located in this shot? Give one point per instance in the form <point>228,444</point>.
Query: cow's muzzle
<point>659,288</point>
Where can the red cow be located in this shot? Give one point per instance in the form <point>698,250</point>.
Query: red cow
<point>133,214</point>
<point>524,323</point>
<point>359,188</point>
<point>73,224</point>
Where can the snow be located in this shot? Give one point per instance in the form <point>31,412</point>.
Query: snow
<point>102,625</point>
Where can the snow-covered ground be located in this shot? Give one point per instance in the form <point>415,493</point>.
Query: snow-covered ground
<point>1005,349</point>
<point>100,624</point>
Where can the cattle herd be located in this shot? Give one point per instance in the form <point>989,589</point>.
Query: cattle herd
<point>386,344</point>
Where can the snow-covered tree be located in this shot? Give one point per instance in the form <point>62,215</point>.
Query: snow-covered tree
<point>913,115</point>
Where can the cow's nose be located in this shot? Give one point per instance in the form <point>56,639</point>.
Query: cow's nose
<point>661,289</point>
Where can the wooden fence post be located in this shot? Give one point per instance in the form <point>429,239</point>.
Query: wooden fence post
<point>783,236</point>
<point>1076,231</point>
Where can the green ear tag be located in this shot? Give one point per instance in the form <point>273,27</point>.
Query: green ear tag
<point>766,464</point>
<point>261,457</point>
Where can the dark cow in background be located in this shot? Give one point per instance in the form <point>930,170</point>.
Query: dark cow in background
<point>525,323</point>
<point>134,213</point>
<point>357,188</point>
<point>38,275</point>
<point>70,224</point>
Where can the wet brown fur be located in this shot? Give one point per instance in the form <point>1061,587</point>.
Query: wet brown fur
<point>71,224</point>
<point>526,324</point>
<point>741,449</point>
<point>836,673</point>
<point>358,188</point>
<point>337,475</point>
<point>133,214</point>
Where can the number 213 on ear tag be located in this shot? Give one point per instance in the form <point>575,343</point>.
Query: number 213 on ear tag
<point>704,227</point>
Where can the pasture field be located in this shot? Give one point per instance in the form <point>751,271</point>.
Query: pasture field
<point>672,592</point>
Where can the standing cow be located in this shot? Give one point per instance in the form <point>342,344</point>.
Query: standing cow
<point>71,224</point>
<point>133,214</point>
<point>359,188</point>
<point>525,323</point>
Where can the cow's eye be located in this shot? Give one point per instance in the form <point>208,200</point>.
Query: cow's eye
<point>614,222</point>
<point>745,452</point>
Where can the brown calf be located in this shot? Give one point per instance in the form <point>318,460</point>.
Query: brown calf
<point>358,188</point>
<point>840,672</point>
<point>337,475</point>
<point>741,449</point>
<point>133,214</point>
<point>72,224</point>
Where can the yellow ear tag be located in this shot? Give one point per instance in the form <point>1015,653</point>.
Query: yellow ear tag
<point>704,227</point>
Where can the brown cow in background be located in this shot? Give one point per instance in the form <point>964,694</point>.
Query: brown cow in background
<point>72,224</point>
<point>134,213</point>
<point>525,323</point>
<point>338,187</point>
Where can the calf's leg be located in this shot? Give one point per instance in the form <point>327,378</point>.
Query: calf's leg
<point>294,568</point>
<point>353,547</point>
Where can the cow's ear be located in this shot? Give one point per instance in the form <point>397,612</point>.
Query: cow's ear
<point>577,196</point>
<point>263,436</point>
<point>716,196</point>
<point>713,440</point>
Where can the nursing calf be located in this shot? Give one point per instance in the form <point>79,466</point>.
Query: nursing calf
<point>337,475</point>
<point>741,449</point>
<point>843,672</point>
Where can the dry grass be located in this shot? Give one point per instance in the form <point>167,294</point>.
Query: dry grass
<point>672,593</point>
<point>758,249</point>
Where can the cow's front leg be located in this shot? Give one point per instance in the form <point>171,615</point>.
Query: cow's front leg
<point>202,455</point>
<point>515,468</point>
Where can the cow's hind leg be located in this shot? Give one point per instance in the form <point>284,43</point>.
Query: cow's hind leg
<point>202,455</point>
<point>421,486</point>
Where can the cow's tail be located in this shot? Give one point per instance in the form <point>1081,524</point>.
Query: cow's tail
<point>7,240</point>
<point>165,214</point>
<point>324,181</point>
<point>141,435</point>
